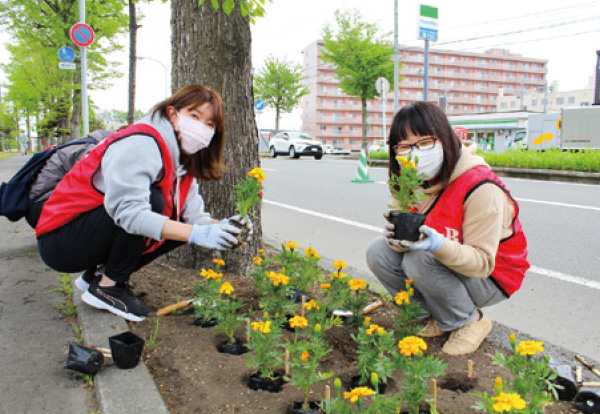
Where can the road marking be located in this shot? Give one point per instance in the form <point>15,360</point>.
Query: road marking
<point>539,270</point>
<point>554,203</point>
<point>548,182</point>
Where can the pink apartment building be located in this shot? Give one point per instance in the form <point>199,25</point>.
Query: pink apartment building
<point>470,82</point>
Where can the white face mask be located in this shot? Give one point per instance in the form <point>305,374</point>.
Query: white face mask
<point>194,135</point>
<point>430,161</point>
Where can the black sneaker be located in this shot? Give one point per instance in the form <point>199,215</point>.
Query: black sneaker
<point>84,280</point>
<point>116,299</point>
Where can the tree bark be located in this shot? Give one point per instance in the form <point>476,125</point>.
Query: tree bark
<point>133,27</point>
<point>213,49</point>
<point>364,124</point>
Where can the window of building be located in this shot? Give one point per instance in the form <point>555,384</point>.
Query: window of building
<point>323,114</point>
<point>420,81</point>
<point>353,116</point>
<point>352,129</point>
<point>437,83</point>
<point>337,129</point>
<point>525,77</point>
<point>510,65</point>
<point>452,83</point>
<point>534,102</point>
<point>337,103</point>
<point>455,95</point>
<point>480,109</point>
<point>323,127</point>
<point>480,98</point>
<point>337,142</point>
<point>560,101</point>
<point>464,83</point>
<point>466,71</point>
<point>408,93</point>
<point>494,74</point>
<point>454,70</point>
<point>437,58</point>
<point>324,89</point>
<point>525,66</point>
<point>437,71</point>
<point>481,86</point>
<point>419,95</point>
<point>339,91</point>
<point>482,62</point>
<point>538,77</point>
<point>571,100</point>
<point>352,142</point>
<point>465,108</point>
<point>504,105</point>
<point>337,116</point>
<point>352,102</point>
<point>510,76</point>
<point>513,104</point>
<point>465,95</point>
<point>452,59</point>
<point>536,66</point>
<point>481,74</point>
<point>452,107</point>
<point>420,58</point>
<point>380,132</point>
<point>584,104</point>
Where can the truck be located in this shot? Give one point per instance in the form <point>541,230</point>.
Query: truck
<point>572,128</point>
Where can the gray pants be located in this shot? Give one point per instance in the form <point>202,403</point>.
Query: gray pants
<point>451,298</point>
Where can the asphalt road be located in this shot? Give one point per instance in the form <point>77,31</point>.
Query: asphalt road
<point>315,203</point>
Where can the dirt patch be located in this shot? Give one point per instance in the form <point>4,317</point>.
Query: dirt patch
<point>193,377</point>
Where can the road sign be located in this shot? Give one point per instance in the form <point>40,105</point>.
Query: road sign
<point>66,54</point>
<point>428,23</point>
<point>259,105</point>
<point>382,85</point>
<point>82,34</point>
<point>67,65</point>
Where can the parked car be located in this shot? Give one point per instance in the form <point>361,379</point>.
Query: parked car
<point>327,149</point>
<point>295,144</point>
<point>379,145</point>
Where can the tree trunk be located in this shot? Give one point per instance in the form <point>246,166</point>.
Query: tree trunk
<point>364,124</point>
<point>277,116</point>
<point>213,49</point>
<point>133,27</point>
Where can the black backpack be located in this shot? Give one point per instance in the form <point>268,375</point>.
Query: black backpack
<point>14,195</point>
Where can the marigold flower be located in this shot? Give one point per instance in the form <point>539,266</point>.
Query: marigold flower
<point>411,345</point>
<point>339,264</point>
<point>279,278</point>
<point>409,281</point>
<point>258,174</point>
<point>305,356</point>
<point>257,261</point>
<point>530,347</point>
<point>310,252</point>
<point>311,304</point>
<point>507,401</point>
<point>401,298</point>
<point>291,245</point>
<point>210,274</point>
<point>298,322</point>
<point>356,284</point>
<point>371,329</point>
<point>357,393</point>
<point>512,339</point>
<point>381,331</point>
<point>263,327</point>
<point>226,288</point>
<point>498,385</point>
<point>367,320</point>
<point>261,251</point>
<point>339,275</point>
<point>325,286</point>
<point>219,262</point>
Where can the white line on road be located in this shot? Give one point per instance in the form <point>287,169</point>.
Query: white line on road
<point>541,271</point>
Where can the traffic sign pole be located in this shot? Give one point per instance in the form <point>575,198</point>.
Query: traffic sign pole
<point>84,97</point>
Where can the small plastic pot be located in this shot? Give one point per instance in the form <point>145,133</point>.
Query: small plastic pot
<point>588,401</point>
<point>126,349</point>
<point>243,236</point>
<point>83,359</point>
<point>355,382</point>
<point>199,321</point>
<point>421,411</point>
<point>295,295</point>
<point>313,408</point>
<point>406,225</point>
<point>566,379</point>
<point>255,382</point>
<point>236,348</point>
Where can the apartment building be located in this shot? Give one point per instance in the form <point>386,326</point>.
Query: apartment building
<point>470,82</point>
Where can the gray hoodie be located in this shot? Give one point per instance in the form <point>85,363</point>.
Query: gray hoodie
<point>128,169</point>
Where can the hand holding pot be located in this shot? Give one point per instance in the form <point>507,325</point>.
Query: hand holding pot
<point>245,223</point>
<point>430,240</point>
<point>388,234</point>
<point>218,236</point>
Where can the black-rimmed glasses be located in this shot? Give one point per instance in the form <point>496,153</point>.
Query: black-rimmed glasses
<point>424,144</point>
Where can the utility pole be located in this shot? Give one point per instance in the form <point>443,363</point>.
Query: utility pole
<point>426,72</point>
<point>597,89</point>
<point>522,96</point>
<point>396,53</point>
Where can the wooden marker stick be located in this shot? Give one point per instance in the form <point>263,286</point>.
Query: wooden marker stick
<point>590,384</point>
<point>287,363</point>
<point>588,365</point>
<point>370,308</point>
<point>578,374</point>
<point>434,393</point>
<point>470,369</point>
<point>327,393</point>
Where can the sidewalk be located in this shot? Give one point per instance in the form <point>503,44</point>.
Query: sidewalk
<point>34,337</point>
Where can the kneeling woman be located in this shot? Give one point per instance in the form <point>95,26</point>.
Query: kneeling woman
<point>472,252</point>
<point>135,197</point>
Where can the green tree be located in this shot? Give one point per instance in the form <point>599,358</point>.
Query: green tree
<point>360,56</point>
<point>280,84</point>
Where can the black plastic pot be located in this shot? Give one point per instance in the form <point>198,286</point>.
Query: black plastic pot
<point>126,349</point>
<point>243,235</point>
<point>205,323</point>
<point>355,382</point>
<point>295,295</point>
<point>406,225</point>
<point>588,401</point>
<point>421,411</point>
<point>313,408</point>
<point>83,359</point>
<point>255,382</point>
<point>236,348</point>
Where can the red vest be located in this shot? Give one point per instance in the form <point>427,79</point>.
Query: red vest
<point>75,194</point>
<point>446,217</point>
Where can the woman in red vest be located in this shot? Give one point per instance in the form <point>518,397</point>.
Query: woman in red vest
<point>472,252</point>
<point>135,197</point>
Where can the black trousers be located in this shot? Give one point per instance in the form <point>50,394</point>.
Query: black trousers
<point>93,239</point>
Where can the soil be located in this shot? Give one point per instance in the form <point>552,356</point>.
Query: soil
<point>193,377</point>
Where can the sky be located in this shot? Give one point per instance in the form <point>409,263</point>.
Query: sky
<point>567,34</point>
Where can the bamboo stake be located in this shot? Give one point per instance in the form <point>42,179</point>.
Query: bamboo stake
<point>434,393</point>
<point>578,374</point>
<point>590,384</point>
<point>588,365</point>
<point>370,308</point>
<point>287,363</point>
<point>327,393</point>
<point>470,369</point>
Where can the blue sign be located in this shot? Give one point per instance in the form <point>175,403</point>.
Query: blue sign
<point>259,104</point>
<point>428,34</point>
<point>66,54</point>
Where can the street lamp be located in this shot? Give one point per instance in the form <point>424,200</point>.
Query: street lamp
<point>165,69</point>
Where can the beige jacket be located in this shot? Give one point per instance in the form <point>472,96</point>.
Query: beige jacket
<point>488,214</point>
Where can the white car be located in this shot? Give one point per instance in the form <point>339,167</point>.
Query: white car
<point>327,149</point>
<point>379,145</point>
<point>295,144</point>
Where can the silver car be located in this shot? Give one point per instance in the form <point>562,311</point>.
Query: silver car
<point>295,144</point>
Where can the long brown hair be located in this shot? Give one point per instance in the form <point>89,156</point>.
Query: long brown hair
<point>425,119</point>
<point>207,164</point>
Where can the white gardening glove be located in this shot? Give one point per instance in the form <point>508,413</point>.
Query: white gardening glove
<point>388,234</point>
<point>218,236</point>
<point>430,240</point>
<point>244,222</point>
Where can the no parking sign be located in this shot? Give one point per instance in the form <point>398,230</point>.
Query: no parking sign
<point>82,34</point>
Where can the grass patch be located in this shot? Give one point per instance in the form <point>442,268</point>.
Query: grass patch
<point>4,155</point>
<point>66,287</point>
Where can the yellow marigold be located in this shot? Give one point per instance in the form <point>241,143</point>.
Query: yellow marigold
<point>325,286</point>
<point>257,261</point>
<point>263,327</point>
<point>310,252</point>
<point>279,278</point>
<point>298,322</point>
<point>409,281</point>
<point>413,165</point>
<point>258,174</point>
<point>356,284</point>
<point>211,274</point>
<point>339,264</point>
<point>381,331</point>
<point>339,275</point>
<point>291,245</point>
<point>530,347</point>
<point>305,356</point>
<point>401,298</point>
<point>219,262</point>
<point>311,304</point>
<point>507,401</point>
<point>372,328</point>
<point>367,320</point>
<point>411,345</point>
<point>357,393</point>
<point>226,288</point>
<point>261,251</point>
<point>498,385</point>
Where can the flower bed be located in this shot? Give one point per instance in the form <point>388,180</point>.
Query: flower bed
<point>194,377</point>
